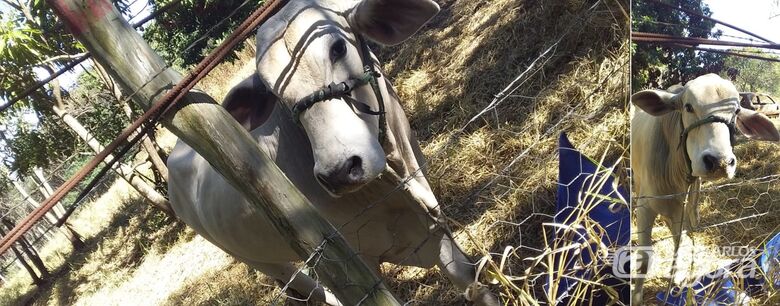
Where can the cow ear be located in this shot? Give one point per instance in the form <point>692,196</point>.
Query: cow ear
<point>249,102</point>
<point>756,126</point>
<point>390,22</point>
<point>656,102</point>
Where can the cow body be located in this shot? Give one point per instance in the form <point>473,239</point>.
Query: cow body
<point>668,166</point>
<point>371,188</point>
<point>388,231</point>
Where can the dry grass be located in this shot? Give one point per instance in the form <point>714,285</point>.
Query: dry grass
<point>136,256</point>
<point>445,81</point>
<point>497,176</point>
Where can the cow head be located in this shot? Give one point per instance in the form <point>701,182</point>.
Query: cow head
<point>308,45</point>
<point>708,142</point>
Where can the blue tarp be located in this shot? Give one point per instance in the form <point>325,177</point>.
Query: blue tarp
<point>576,174</point>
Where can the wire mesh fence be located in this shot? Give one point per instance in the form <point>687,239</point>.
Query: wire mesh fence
<point>735,226</point>
<point>712,223</point>
<point>520,172</point>
<point>503,263</point>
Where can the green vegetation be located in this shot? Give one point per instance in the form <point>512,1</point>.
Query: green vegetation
<point>188,31</point>
<point>654,66</point>
<point>753,75</point>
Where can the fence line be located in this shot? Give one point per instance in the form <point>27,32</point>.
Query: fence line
<point>534,67</point>
<point>689,12</point>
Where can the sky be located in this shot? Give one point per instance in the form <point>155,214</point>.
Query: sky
<point>752,15</point>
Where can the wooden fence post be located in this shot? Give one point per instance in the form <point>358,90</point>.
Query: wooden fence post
<point>214,134</point>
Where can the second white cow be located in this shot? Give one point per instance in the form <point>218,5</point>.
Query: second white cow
<point>680,137</point>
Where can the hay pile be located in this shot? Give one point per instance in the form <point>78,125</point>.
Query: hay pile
<point>497,175</point>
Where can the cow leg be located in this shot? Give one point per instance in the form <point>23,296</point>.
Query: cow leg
<point>675,221</point>
<point>645,217</point>
<point>461,272</point>
<point>300,283</point>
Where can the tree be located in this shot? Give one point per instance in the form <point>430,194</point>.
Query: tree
<point>186,33</point>
<point>31,254</point>
<point>31,147</point>
<point>753,74</point>
<point>655,66</point>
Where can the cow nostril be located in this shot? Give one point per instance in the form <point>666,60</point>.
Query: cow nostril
<point>732,161</point>
<point>709,162</point>
<point>355,167</point>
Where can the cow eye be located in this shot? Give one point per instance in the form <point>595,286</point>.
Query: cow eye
<point>338,50</point>
<point>689,108</point>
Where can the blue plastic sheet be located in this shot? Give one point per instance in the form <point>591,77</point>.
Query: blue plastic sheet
<point>577,176</point>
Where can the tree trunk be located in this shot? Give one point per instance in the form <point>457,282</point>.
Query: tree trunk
<point>146,143</point>
<point>148,146</point>
<point>35,278</point>
<point>66,228</point>
<point>34,256</point>
<point>46,190</point>
<point>214,134</point>
<point>124,171</point>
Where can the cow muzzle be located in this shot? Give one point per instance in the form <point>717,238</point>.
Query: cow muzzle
<point>349,176</point>
<point>718,166</point>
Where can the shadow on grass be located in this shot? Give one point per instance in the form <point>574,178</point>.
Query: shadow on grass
<point>239,284</point>
<point>135,229</point>
<point>509,42</point>
<point>462,69</point>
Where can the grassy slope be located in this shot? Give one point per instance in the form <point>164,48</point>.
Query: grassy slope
<point>445,75</point>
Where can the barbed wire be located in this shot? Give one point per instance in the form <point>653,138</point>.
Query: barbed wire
<point>78,61</point>
<point>90,186</point>
<point>689,27</point>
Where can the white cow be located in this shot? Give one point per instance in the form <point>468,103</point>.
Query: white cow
<point>329,145</point>
<point>678,138</point>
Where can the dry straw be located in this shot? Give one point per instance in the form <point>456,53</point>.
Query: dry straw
<point>496,177</point>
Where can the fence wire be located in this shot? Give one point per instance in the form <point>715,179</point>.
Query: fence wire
<point>509,273</point>
<point>521,281</point>
<point>736,218</point>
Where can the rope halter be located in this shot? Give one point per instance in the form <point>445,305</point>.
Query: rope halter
<point>711,119</point>
<point>344,90</point>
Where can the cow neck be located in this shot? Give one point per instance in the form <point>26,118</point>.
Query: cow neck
<point>683,144</point>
